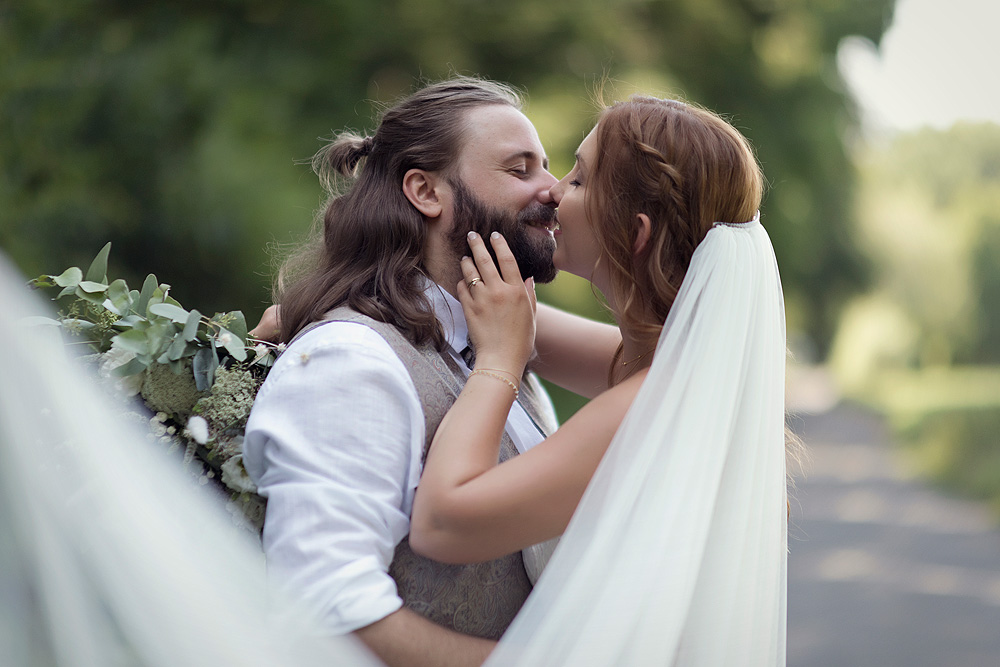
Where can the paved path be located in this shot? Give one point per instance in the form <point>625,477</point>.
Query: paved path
<point>883,570</point>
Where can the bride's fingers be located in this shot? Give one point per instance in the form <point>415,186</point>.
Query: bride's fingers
<point>508,265</point>
<point>484,262</point>
<point>529,285</point>
<point>470,274</point>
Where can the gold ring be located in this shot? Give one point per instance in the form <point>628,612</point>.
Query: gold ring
<point>472,283</point>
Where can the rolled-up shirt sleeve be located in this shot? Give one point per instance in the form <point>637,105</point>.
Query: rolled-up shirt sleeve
<point>333,443</point>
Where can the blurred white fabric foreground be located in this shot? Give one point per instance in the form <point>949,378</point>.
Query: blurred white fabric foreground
<point>108,554</point>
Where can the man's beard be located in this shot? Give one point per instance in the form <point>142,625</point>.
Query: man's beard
<point>532,250</point>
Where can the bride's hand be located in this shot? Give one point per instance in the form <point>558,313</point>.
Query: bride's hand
<point>499,307</point>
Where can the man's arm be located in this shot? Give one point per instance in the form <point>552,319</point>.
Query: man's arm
<point>573,352</point>
<point>407,639</point>
<point>335,441</point>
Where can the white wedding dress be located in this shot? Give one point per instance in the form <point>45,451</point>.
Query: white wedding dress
<point>676,555</point>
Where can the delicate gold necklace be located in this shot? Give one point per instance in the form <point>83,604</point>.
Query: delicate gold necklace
<point>632,361</point>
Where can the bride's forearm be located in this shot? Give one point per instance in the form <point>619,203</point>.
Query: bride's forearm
<point>573,351</point>
<point>466,445</point>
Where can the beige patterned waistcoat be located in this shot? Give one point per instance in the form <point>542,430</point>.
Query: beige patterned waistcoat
<point>479,599</point>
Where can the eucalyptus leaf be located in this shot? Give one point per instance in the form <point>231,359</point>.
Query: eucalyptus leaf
<point>70,277</point>
<point>133,340</point>
<point>159,295</point>
<point>92,287</point>
<point>191,326</point>
<point>205,364</point>
<point>238,324</point>
<point>170,311</point>
<point>131,367</point>
<point>44,280</point>
<point>176,349</point>
<point>96,298</point>
<point>98,270</point>
<point>234,345</point>
<point>160,335</point>
<point>119,296</point>
<point>129,321</point>
<point>148,287</point>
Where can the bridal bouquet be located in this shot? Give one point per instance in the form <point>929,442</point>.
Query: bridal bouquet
<point>191,379</point>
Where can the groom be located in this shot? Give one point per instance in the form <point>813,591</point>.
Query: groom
<point>339,430</point>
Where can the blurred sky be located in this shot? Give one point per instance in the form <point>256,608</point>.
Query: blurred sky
<point>938,63</point>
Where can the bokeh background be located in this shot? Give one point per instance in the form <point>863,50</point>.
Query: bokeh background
<point>178,131</point>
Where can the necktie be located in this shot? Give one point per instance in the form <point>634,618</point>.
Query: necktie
<point>469,356</point>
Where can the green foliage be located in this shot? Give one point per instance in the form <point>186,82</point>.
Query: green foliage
<point>928,221</point>
<point>173,128</point>
<point>149,326</point>
<point>197,375</point>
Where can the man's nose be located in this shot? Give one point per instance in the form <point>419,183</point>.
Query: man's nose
<point>545,195</point>
<point>553,195</point>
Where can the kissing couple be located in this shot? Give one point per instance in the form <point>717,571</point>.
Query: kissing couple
<point>419,493</point>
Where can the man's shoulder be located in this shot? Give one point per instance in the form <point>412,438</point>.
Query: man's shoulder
<point>336,352</point>
<point>335,333</point>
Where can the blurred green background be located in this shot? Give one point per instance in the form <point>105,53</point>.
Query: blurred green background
<point>177,130</point>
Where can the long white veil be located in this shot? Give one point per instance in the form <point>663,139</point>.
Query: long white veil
<point>108,556</point>
<point>676,554</point>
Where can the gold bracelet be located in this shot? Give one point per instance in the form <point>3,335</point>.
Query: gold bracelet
<point>481,371</point>
<point>514,378</point>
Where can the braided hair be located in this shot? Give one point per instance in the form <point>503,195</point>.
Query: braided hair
<point>685,168</point>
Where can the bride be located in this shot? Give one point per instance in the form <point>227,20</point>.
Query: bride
<point>676,553</point>
<point>673,553</point>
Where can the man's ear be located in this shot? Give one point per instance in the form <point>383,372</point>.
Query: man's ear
<point>643,231</point>
<point>422,189</point>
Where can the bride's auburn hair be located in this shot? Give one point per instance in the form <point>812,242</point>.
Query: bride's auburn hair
<point>685,168</point>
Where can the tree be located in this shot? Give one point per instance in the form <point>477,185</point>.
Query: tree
<point>927,220</point>
<point>172,129</point>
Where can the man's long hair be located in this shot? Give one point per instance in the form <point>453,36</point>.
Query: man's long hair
<point>368,253</point>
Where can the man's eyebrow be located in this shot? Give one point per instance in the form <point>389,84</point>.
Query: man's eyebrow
<point>529,155</point>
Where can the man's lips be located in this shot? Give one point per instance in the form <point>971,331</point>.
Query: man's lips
<point>548,225</point>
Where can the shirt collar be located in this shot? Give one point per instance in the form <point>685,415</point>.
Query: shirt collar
<point>449,313</point>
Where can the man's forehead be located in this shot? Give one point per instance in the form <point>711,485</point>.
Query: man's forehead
<point>501,134</point>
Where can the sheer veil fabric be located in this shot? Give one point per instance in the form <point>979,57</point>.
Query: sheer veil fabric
<point>676,554</point>
<point>108,554</point>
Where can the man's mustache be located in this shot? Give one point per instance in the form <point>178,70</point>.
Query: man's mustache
<point>537,213</point>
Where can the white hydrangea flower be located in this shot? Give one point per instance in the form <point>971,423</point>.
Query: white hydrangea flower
<point>130,384</point>
<point>234,475</point>
<point>224,338</point>
<point>197,428</point>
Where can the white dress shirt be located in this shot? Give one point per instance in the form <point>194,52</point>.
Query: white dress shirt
<point>334,442</point>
